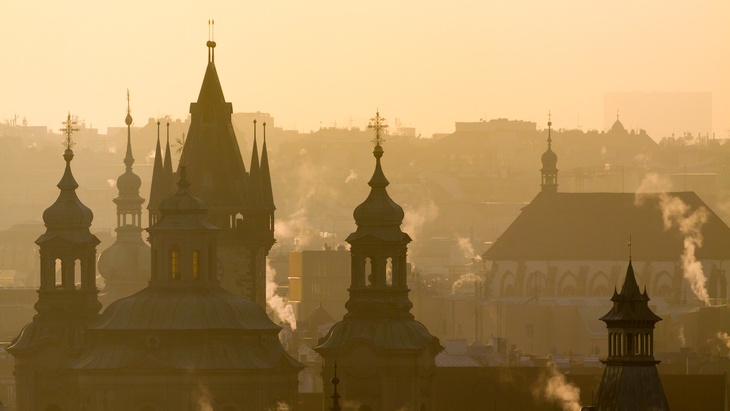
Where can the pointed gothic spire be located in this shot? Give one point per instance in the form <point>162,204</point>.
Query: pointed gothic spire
<point>255,194</point>
<point>157,190</point>
<point>268,192</point>
<point>549,159</point>
<point>167,166</point>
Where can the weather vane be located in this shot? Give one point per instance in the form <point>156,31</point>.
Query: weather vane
<point>69,130</point>
<point>377,123</point>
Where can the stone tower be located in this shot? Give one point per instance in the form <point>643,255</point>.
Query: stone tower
<point>125,265</point>
<point>630,380</point>
<point>67,300</point>
<point>386,358</point>
<point>241,203</point>
<point>184,342</point>
<point>549,169</point>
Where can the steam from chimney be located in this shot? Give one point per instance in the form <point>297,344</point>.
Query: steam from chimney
<point>680,336</point>
<point>677,214</point>
<point>724,338</point>
<point>553,387</point>
<point>464,278</point>
<point>350,177</point>
<point>467,250</point>
<point>415,218</point>
<point>283,310</point>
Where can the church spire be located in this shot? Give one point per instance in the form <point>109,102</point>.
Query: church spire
<point>157,192</point>
<point>128,158</point>
<point>167,166</point>
<point>549,169</point>
<point>266,188</point>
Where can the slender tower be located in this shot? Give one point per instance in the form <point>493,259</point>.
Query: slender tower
<point>549,169</point>
<point>385,357</point>
<point>125,265</point>
<point>67,299</point>
<point>630,380</point>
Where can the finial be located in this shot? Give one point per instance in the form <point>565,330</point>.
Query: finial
<point>211,41</point>
<point>335,395</point>
<point>377,123</point>
<point>69,129</point>
<point>629,247</point>
<point>550,123</point>
<point>168,134</point>
<point>254,129</point>
<point>616,114</point>
<point>128,119</point>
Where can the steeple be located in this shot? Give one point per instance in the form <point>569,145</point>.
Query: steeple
<point>549,169</point>
<point>255,197</point>
<point>266,188</point>
<point>67,298</point>
<point>157,190</point>
<point>378,312</point>
<point>125,264</point>
<point>167,166</point>
<point>617,127</point>
<point>630,380</point>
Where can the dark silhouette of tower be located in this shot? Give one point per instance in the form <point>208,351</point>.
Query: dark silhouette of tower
<point>125,265</point>
<point>241,202</point>
<point>549,169</point>
<point>386,358</point>
<point>67,300</point>
<point>162,179</point>
<point>630,380</point>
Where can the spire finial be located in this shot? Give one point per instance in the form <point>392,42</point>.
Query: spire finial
<point>616,114</point>
<point>211,41</point>
<point>550,124</point>
<point>335,395</point>
<point>629,247</point>
<point>264,132</point>
<point>128,110</point>
<point>377,123</point>
<point>69,129</point>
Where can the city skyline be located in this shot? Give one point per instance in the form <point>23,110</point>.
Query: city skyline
<point>325,63</point>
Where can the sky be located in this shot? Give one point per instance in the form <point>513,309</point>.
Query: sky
<point>333,63</point>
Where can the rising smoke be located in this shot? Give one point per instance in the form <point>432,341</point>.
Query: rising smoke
<point>283,310</point>
<point>553,387</point>
<point>677,214</point>
<point>416,217</point>
<point>350,177</point>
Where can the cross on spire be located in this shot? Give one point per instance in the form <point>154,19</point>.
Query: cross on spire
<point>69,129</point>
<point>377,123</point>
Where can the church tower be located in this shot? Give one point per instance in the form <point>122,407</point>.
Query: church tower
<point>67,300</point>
<point>630,380</point>
<point>125,265</point>
<point>183,342</point>
<point>386,358</point>
<point>240,202</point>
<point>549,169</point>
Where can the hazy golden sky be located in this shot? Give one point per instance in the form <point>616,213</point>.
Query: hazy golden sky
<point>429,63</point>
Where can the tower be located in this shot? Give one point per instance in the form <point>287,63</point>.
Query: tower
<point>67,299</point>
<point>386,358</point>
<point>184,342</point>
<point>241,203</point>
<point>630,380</point>
<point>125,265</point>
<point>162,178</point>
<point>549,169</point>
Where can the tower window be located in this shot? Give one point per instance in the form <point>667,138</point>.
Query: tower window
<point>175,263</point>
<point>196,264</point>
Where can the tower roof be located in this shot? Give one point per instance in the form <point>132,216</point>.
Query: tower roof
<point>267,190</point>
<point>549,158</point>
<point>211,152</point>
<point>378,216</point>
<point>129,182</point>
<point>157,187</point>
<point>630,305</point>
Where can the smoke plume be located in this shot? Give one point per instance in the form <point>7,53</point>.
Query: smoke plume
<point>283,310</point>
<point>724,338</point>
<point>680,336</point>
<point>677,214</point>
<point>467,250</point>
<point>553,387</point>
<point>416,217</point>
<point>464,278</point>
<point>350,177</point>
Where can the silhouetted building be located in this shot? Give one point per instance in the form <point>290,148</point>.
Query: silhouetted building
<point>125,265</point>
<point>549,169</point>
<point>184,333</point>
<point>162,178</point>
<point>67,301</point>
<point>630,380</point>
<point>319,278</point>
<point>386,357</point>
<point>241,202</point>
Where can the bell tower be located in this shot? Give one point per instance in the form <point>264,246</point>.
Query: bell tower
<point>67,299</point>
<point>386,358</point>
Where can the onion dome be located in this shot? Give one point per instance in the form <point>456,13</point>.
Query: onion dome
<point>549,158</point>
<point>618,127</point>
<point>68,212</point>
<point>378,215</point>
<point>127,261</point>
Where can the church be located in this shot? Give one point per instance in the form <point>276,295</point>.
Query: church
<point>183,341</point>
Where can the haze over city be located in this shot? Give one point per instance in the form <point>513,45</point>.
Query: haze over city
<point>325,62</point>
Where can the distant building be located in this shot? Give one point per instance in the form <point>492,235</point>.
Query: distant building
<point>319,278</point>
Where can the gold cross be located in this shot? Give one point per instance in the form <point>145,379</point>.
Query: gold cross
<point>69,130</point>
<point>377,123</point>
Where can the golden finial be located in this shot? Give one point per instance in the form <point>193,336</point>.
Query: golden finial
<point>377,123</point>
<point>69,130</point>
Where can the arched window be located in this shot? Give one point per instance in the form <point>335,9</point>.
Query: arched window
<point>196,264</point>
<point>174,262</point>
